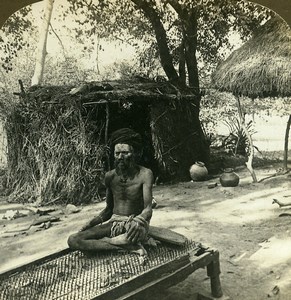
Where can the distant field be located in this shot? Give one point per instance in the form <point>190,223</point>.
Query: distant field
<point>270,132</point>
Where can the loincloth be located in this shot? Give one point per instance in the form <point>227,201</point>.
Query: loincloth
<point>121,225</point>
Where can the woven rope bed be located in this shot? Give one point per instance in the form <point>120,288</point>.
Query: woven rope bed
<point>112,275</point>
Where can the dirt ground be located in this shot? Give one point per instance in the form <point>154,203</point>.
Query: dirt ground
<point>254,241</point>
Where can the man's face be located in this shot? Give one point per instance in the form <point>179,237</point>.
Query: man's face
<point>123,155</point>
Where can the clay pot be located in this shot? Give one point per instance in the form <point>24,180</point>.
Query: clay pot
<point>198,171</point>
<point>229,178</point>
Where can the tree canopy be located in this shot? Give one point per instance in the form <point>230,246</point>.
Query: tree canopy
<point>178,32</point>
<point>187,37</point>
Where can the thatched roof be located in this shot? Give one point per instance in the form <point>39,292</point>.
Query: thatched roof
<point>110,92</point>
<point>262,66</point>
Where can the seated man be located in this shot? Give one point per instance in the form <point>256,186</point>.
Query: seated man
<point>128,201</point>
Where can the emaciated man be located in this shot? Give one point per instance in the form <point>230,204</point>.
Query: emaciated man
<point>128,202</point>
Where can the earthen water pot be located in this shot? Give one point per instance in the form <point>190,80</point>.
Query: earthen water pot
<point>229,178</point>
<point>198,171</point>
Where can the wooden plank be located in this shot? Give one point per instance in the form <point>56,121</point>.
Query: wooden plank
<point>167,280</point>
<point>138,97</point>
<point>20,268</point>
<point>167,235</point>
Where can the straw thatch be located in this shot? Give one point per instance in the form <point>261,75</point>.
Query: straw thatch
<point>54,153</point>
<point>262,66</point>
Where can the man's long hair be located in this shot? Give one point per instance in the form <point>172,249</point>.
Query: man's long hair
<point>126,136</point>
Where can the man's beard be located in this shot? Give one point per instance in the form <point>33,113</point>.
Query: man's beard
<point>124,165</point>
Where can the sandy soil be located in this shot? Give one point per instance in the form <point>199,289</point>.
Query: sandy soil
<point>241,222</point>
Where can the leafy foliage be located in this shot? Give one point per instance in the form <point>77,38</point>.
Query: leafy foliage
<point>136,23</point>
<point>219,18</point>
<point>12,37</point>
<point>130,21</point>
<point>216,107</point>
<point>237,141</point>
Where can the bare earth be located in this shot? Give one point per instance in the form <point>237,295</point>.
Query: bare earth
<point>241,222</point>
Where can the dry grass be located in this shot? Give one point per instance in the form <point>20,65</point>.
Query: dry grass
<point>54,150</point>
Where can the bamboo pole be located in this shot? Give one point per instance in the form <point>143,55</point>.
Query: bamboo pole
<point>106,134</point>
<point>285,160</point>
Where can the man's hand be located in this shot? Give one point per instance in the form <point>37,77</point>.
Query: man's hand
<point>137,230</point>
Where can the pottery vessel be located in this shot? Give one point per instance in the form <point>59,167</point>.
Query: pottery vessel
<point>229,178</point>
<point>198,171</point>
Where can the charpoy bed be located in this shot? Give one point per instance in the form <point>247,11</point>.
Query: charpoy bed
<point>112,275</point>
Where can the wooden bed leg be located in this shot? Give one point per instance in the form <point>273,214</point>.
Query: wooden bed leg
<point>213,271</point>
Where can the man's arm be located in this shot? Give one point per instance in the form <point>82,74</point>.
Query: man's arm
<point>147,190</point>
<point>107,212</point>
<point>135,232</point>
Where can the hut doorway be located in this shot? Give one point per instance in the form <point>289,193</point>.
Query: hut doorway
<point>137,117</point>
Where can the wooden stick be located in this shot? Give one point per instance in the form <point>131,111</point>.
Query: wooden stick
<point>285,215</point>
<point>21,86</point>
<point>274,175</point>
<point>285,160</point>
<point>106,134</point>
<point>280,203</point>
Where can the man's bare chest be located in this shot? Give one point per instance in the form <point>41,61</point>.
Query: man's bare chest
<point>124,189</point>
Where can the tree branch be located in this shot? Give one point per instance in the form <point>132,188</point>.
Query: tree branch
<point>161,37</point>
<point>59,39</point>
<point>177,7</point>
<point>188,18</point>
<point>190,49</point>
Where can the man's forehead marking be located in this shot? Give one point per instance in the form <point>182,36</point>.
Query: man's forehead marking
<point>122,147</point>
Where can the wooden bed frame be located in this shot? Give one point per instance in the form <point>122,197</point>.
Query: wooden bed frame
<point>144,283</point>
<point>167,275</point>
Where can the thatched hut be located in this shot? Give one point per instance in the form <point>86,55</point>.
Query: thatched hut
<point>261,67</point>
<point>58,136</point>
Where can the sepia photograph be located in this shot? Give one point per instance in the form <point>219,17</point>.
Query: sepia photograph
<point>145,149</point>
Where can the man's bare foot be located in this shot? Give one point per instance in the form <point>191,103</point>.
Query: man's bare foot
<point>136,248</point>
<point>117,240</point>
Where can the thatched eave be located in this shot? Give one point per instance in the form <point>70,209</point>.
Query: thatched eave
<point>109,92</point>
<point>261,67</point>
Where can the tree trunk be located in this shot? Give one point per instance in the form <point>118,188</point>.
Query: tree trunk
<point>182,62</point>
<point>190,50</point>
<point>41,51</point>
<point>161,37</point>
<point>176,129</point>
<point>177,138</point>
<point>285,161</point>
